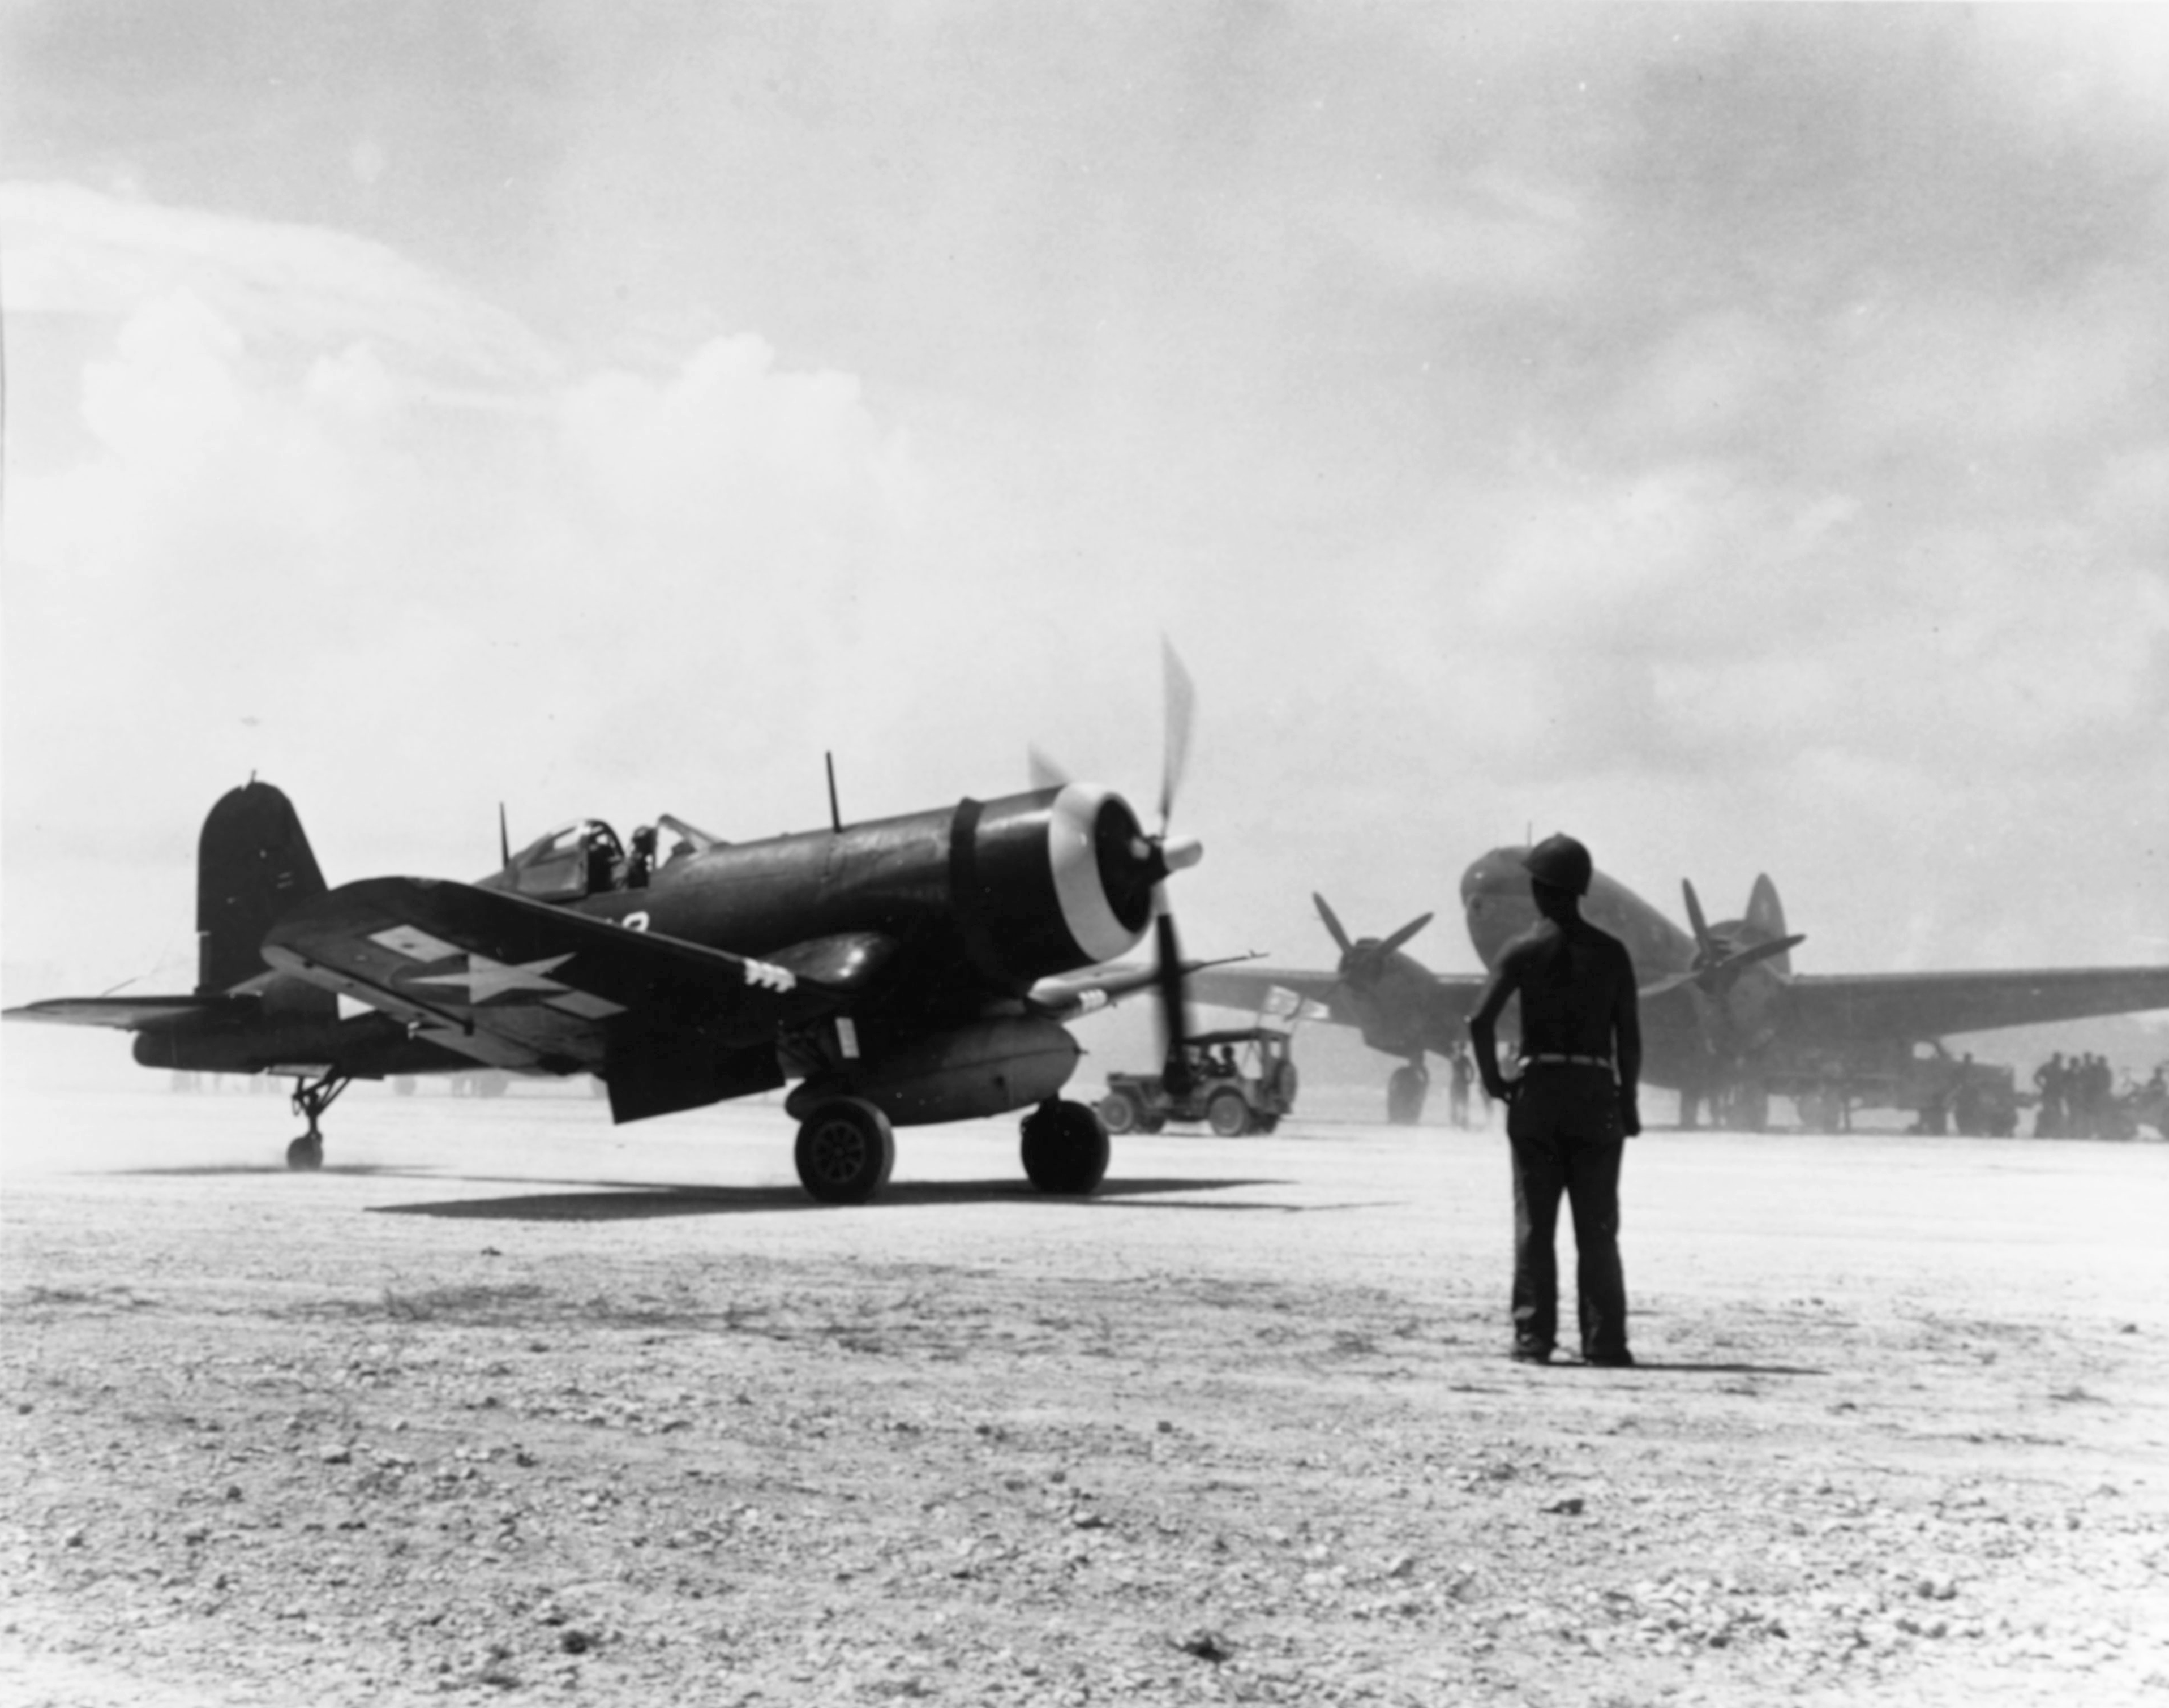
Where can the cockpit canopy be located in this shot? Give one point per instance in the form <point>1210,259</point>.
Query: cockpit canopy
<point>585,857</point>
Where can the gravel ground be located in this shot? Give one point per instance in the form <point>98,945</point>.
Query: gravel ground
<point>510,1403</point>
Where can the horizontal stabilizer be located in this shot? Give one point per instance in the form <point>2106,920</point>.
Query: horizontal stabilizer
<point>135,1014</point>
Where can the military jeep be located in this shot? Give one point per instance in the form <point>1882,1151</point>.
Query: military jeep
<point>1240,1081</point>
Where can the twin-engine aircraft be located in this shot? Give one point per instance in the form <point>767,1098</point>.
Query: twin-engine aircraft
<point>907,971</point>
<point>1725,1020</point>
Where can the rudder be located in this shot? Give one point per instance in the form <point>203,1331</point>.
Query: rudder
<point>253,865</point>
<point>1766,919</point>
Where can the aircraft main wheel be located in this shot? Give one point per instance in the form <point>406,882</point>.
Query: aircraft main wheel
<point>846,1151</point>
<point>1065,1149</point>
<point>1404,1096</point>
<point>306,1154</point>
<point>1119,1113</point>
<point>1228,1114</point>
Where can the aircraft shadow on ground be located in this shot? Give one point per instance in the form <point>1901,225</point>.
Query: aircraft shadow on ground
<point>608,1200</point>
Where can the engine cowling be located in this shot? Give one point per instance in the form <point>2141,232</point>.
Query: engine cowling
<point>1052,880</point>
<point>989,1067</point>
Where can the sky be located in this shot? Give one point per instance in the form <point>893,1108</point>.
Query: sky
<point>1737,435</point>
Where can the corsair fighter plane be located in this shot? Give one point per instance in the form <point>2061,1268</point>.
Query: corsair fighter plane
<point>911,970</point>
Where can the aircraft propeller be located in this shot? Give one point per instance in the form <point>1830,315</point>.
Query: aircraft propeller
<point>1718,965</point>
<point>1363,961</point>
<point>1160,854</point>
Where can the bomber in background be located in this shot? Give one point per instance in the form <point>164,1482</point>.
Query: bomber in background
<point>1726,1022</point>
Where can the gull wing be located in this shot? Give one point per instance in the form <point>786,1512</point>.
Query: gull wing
<point>523,984</point>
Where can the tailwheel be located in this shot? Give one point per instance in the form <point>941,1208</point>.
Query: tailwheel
<point>1065,1149</point>
<point>846,1151</point>
<point>311,1098</point>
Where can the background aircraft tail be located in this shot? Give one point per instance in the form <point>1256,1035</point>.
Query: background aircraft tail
<point>1765,920</point>
<point>253,865</point>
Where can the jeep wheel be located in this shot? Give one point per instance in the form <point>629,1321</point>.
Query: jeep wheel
<point>1228,1115</point>
<point>1120,1113</point>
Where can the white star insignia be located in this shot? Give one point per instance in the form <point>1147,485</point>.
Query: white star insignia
<point>485,978</point>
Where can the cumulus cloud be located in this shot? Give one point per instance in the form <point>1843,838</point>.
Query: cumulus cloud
<point>283,529</point>
<point>77,251</point>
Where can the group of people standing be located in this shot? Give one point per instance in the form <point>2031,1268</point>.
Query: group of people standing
<point>2078,1097</point>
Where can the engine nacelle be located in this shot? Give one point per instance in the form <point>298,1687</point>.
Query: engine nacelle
<point>1047,884</point>
<point>987,1068</point>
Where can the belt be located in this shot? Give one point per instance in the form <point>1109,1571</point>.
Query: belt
<point>1603,1061</point>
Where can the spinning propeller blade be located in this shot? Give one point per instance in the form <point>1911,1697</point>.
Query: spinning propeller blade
<point>1162,854</point>
<point>1181,706</point>
<point>1045,774</point>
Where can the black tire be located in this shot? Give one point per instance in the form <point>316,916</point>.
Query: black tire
<point>846,1151</point>
<point>1121,1112</point>
<point>1153,1124</point>
<point>1284,1083</point>
<point>305,1155</point>
<point>1065,1149</point>
<point>1228,1114</point>
<point>1406,1093</point>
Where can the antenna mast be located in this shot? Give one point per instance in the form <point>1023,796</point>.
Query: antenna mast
<point>835,813</point>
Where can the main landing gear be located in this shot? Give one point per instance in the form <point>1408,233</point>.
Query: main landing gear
<point>1406,1093</point>
<point>1065,1149</point>
<point>312,1097</point>
<point>846,1150</point>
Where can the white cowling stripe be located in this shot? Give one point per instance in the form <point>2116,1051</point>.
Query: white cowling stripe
<point>1070,822</point>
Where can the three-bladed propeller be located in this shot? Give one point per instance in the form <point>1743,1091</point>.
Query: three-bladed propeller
<point>1364,960</point>
<point>1159,854</point>
<point>1718,961</point>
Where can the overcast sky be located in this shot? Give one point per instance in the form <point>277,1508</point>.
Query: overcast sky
<point>1737,435</point>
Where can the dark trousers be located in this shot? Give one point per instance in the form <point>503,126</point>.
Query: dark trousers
<point>1551,1159</point>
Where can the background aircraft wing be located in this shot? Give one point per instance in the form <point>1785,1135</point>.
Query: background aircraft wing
<point>1845,1008</point>
<point>132,1013</point>
<point>1443,1005</point>
<point>521,983</point>
<point>1248,987</point>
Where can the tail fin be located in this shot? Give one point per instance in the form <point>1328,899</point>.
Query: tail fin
<point>1765,920</point>
<point>253,865</point>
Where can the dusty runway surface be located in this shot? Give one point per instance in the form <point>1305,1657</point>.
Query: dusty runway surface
<point>508,1403</point>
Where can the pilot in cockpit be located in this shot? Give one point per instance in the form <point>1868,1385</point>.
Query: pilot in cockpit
<point>641,860</point>
<point>603,854</point>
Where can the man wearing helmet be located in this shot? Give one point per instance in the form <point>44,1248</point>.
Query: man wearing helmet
<point>1572,1106</point>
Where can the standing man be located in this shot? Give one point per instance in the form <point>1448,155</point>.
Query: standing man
<point>1572,1107</point>
<point>1465,1075</point>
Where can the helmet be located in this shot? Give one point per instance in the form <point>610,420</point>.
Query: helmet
<point>1561,862</point>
